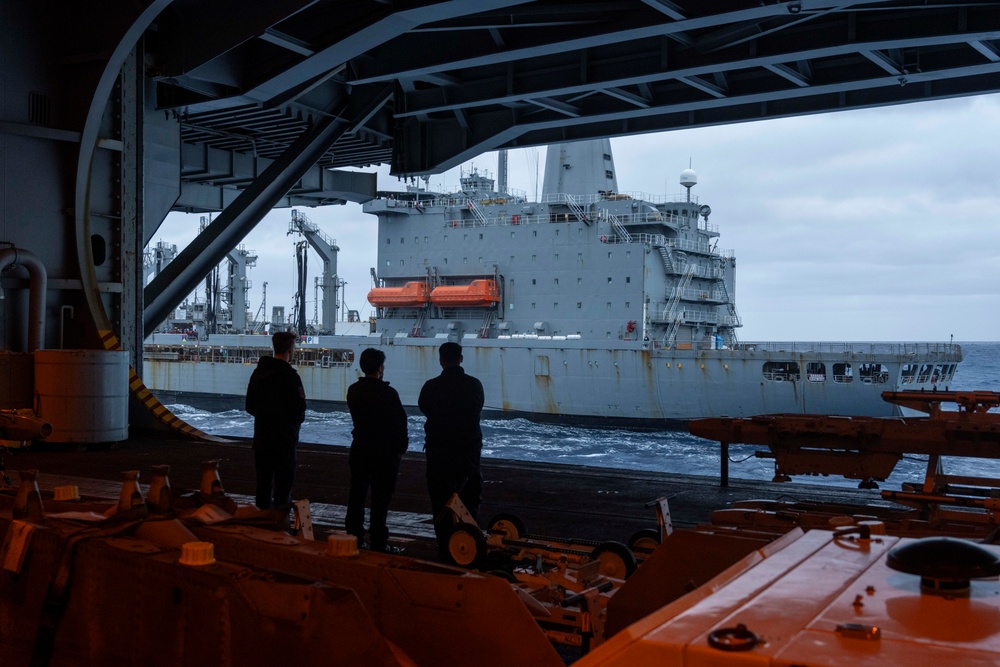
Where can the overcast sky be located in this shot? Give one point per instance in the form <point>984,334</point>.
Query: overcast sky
<point>863,225</point>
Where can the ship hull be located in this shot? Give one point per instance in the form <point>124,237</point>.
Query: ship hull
<point>624,383</point>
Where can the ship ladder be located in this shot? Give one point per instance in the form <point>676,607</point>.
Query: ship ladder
<point>734,315</point>
<point>477,211</point>
<point>578,210</point>
<point>619,227</point>
<point>675,299</point>
<point>668,263</point>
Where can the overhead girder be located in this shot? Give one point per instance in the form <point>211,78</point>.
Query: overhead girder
<point>477,76</point>
<point>181,276</point>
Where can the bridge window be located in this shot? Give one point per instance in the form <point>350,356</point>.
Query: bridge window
<point>532,281</point>
<point>816,371</point>
<point>534,232</point>
<point>579,304</point>
<point>843,373</point>
<point>873,373</point>
<point>555,281</point>
<point>908,374</point>
<point>780,371</point>
<point>925,373</point>
<point>628,279</point>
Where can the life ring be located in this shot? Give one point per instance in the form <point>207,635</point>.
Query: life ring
<point>515,219</point>
<point>454,223</point>
<point>630,327</point>
<point>604,239</point>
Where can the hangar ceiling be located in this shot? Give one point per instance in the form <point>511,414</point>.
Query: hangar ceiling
<point>428,85</point>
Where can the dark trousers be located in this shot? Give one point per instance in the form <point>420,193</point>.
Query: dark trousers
<point>275,476</point>
<point>380,474</point>
<point>447,475</point>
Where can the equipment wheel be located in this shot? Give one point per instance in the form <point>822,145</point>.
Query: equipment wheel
<point>644,541</point>
<point>466,545</point>
<point>508,525</point>
<point>617,560</point>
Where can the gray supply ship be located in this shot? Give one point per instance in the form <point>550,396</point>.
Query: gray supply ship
<point>590,305</point>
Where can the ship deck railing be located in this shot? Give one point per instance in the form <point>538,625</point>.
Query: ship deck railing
<point>660,240</point>
<point>944,350</point>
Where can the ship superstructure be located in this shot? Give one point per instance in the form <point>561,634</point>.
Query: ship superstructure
<point>595,265</point>
<point>591,305</point>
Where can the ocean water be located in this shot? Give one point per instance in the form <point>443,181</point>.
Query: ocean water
<point>666,451</point>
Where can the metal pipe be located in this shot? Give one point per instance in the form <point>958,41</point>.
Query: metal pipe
<point>37,288</point>
<point>62,324</point>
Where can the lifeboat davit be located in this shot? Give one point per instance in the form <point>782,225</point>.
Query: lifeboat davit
<point>478,293</point>
<point>410,295</point>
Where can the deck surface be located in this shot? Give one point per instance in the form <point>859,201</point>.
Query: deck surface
<point>563,501</point>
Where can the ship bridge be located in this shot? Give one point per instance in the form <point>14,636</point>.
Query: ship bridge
<point>115,114</point>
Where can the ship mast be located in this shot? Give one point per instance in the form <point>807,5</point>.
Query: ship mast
<point>502,172</point>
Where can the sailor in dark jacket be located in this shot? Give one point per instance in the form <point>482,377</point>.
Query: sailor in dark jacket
<point>277,401</point>
<point>452,402</point>
<point>380,440</point>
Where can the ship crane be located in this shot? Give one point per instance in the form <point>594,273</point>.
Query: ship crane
<point>327,249</point>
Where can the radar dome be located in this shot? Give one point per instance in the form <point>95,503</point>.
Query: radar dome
<point>689,178</point>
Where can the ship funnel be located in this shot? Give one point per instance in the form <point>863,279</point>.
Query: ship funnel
<point>580,168</point>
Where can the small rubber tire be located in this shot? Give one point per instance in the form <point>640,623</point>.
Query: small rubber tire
<point>508,525</point>
<point>467,545</point>
<point>644,541</point>
<point>617,560</point>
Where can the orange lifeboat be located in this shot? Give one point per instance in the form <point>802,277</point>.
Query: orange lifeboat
<point>478,293</point>
<point>410,295</point>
